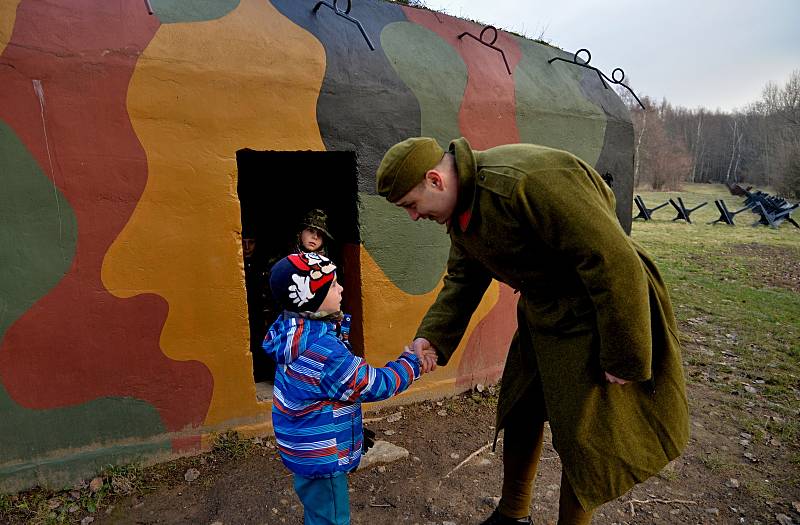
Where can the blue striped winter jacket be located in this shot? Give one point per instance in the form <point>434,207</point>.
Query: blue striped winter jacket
<point>319,386</point>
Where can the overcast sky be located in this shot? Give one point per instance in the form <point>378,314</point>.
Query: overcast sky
<point>710,53</point>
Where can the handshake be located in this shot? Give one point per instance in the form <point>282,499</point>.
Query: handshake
<point>425,352</point>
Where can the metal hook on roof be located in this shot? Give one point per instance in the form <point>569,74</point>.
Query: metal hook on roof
<point>602,76</point>
<point>585,63</point>
<point>619,83</point>
<point>488,44</point>
<point>346,15</point>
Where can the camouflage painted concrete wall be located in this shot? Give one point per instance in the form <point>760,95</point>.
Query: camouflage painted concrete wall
<point>118,139</point>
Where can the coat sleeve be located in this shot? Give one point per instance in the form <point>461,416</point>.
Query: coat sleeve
<point>464,285</point>
<point>572,211</point>
<point>347,377</point>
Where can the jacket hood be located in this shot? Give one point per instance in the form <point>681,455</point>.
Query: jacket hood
<point>290,335</point>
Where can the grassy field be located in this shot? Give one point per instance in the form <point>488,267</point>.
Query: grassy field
<point>734,288</point>
<point>736,292</point>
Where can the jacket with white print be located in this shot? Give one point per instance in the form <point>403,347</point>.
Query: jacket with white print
<point>319,387</point>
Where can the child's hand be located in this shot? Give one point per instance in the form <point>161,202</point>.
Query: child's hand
<point>426,354</point>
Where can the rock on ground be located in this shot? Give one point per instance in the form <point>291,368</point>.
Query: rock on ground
<point>383,452</point>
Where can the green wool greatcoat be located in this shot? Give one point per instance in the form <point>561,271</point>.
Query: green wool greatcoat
<point>590,301</point>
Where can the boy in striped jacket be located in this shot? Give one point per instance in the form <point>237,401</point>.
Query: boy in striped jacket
<point>319,386</point>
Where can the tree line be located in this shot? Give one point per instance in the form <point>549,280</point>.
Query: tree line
<point>758,145</point>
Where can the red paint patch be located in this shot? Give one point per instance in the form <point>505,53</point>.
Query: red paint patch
<point>488,114</point>
<point>487,118</point>
<point>79,342</point>
<point>485,354</point>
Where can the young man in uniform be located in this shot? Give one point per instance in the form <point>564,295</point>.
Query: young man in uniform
<point>596,352</point>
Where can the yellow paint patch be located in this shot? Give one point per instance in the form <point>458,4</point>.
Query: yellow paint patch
<point>391,318</point>
<point>8,14</point>
<point>200,92</point>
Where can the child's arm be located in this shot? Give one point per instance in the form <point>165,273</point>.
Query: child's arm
<point>348,378</point>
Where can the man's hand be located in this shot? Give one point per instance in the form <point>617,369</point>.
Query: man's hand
<point>426,354</point>
<point>615,379</point>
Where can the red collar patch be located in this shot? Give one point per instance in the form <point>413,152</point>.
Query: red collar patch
<point>463,219</point>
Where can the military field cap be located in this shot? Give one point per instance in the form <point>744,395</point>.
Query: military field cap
<point>405,165</point>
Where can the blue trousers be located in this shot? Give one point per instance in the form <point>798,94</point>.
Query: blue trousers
<point>326,501</point>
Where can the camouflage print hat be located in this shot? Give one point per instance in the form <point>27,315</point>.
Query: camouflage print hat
<point>317,219</point>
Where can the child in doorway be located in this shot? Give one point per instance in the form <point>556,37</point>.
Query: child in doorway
<point>319,386</point>
<point>314,235</point>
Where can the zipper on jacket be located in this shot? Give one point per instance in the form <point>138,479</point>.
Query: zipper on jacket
<point>351,453</point>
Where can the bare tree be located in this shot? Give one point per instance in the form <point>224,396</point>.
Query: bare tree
<point>661,160</point>
<point>759,144</point>
<point>641,116</point>
<point>735,150</point>
<point>697,146</point>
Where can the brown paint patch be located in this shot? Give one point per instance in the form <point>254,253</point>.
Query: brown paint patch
<point>487,118</point>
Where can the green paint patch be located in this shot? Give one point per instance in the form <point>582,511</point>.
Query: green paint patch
<point>38,230</point>
<point>412,254</point>
<point>38,233</point>
<point>434,72</point>
<point>59,445</point>
<point>174,11</point>
<point>65,470</point>
<point>551,108</point>
<point>29,435</point>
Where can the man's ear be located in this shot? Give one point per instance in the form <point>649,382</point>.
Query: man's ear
<point>434,178</point>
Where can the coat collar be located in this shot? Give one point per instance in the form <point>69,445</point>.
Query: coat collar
<point>466,167</point>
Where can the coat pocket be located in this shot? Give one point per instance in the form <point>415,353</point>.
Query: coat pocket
<point>579,317</point>
<point>565,315</point>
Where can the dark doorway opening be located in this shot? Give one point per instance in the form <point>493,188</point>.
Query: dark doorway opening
<point>276,190</point>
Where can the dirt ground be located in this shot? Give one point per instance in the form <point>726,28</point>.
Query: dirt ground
<point>245,482</point>
<point>774,266</point>
<point>742,464</point>
<point>423,489</point>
